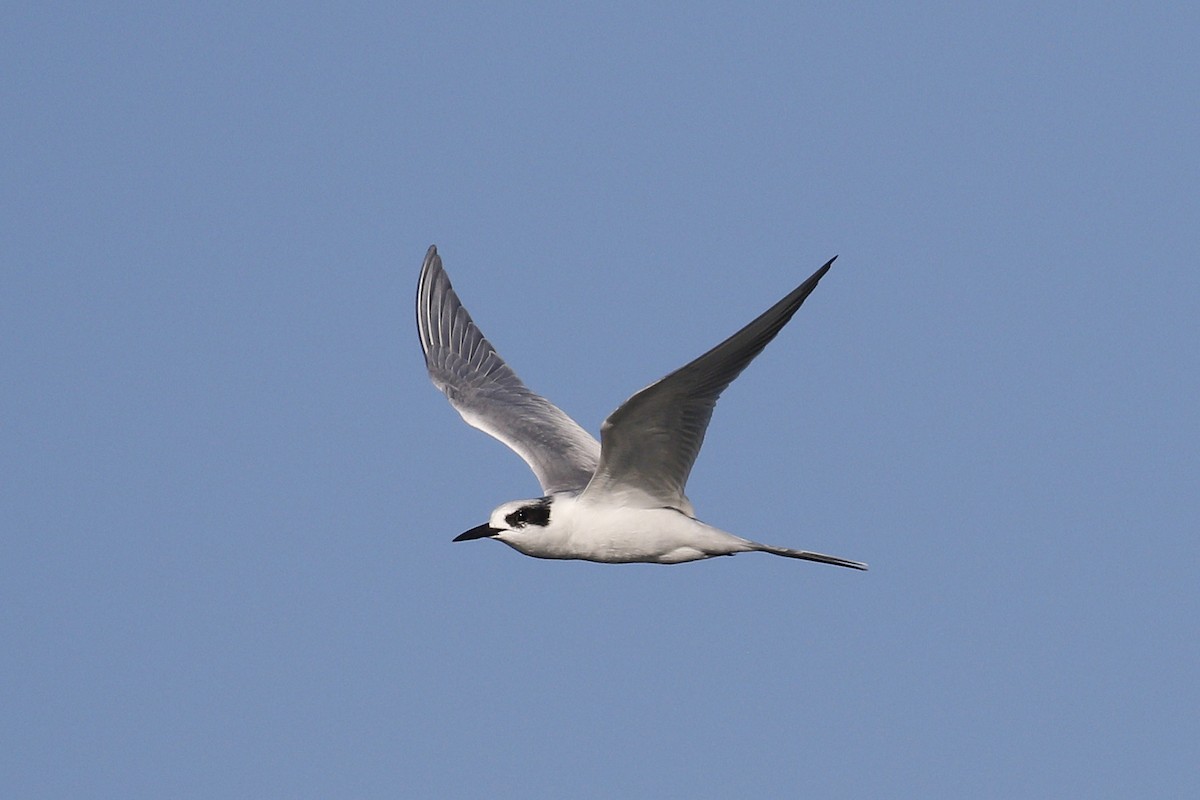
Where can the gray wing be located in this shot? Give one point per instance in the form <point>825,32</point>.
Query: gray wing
<point>490,396</point>
<point>650,443</point>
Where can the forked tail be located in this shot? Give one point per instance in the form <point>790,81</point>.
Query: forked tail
<point>807,556</point>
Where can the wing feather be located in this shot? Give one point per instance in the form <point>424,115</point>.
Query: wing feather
<point>649,444</point>
<point>490,396</point>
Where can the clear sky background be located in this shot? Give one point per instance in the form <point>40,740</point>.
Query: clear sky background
<point>228,488</point>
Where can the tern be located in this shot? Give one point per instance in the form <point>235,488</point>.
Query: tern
<point>619,500</point>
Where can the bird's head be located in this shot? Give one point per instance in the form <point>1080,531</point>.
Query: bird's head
<point>512,521</point>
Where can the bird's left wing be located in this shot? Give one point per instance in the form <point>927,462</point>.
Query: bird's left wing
<point>650,443</point>
<point>490,396</point>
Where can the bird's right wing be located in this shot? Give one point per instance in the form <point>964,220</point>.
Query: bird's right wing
<point>651,442</point>
<point>490,396</point>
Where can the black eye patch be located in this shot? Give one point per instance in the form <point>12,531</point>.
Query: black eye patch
<point>533,514</point>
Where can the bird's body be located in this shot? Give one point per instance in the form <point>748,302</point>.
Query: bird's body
<point>615,534</point>
<point>620,500</point>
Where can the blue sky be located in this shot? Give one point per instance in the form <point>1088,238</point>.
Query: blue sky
<point>229,489</point>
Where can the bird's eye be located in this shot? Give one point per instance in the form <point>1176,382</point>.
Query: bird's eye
<point>536,514</point>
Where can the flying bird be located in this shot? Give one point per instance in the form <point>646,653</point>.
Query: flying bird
<point>619,500</point>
